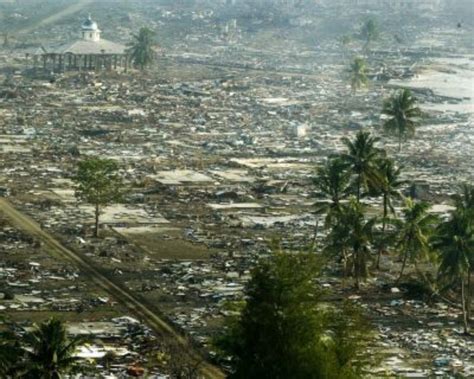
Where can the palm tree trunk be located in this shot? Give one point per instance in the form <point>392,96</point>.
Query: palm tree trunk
<point>96,228</point>
<point>355,258</point>
<point>358,187</point>
<point>405,257</point>
<point>468,295</point>
<point>316,229</point>
<point>382,246</point>
<point>464,308</point>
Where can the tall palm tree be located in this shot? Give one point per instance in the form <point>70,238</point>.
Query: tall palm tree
<point>361,157</point>
<point>369,32</point>
<point>358,74</point>
<point>49,351</point>
<point>332,183</point>
<point>141,49</point>
<point>353,232</point>
<point>390,185</point>
<point>415,230</point>
<point>454,239</point>
<point>403,115</point>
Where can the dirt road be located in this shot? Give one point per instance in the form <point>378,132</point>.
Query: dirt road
<point>134,305</point>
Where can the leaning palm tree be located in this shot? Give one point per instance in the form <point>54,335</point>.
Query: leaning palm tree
<point>403,115</point>
<point>141,49</point>
<point>389,188</point>
<point>361,157</point>
<point>49,351</point>
<point>358,74</point>
<point>332,183</point>
<point>415,230</point>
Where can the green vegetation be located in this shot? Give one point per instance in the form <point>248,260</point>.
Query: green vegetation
<point>45,352</point>
<point>141,49</point>
<point>284,331</point>
<point>98,184</point>
<point>454,239</point>
<point>415,229</point>
<point>358,74</point>
<point>403,115</point>
<point>361,157</point>
<point>369,32</point>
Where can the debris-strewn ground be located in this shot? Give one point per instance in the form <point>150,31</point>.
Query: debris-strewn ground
<point>218,144</point>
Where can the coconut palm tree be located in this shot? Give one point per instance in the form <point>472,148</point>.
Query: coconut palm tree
<point>141,49</point>
<point>454,239</point>
<point>358,74</point>
<point>389,188</point>
<point>49,351</point>
<point>361,157</point>
<point>369,32</point>
<point>332,183</point>
<point>353,232</point>
<point>415,230</point>
<point>403,115</point>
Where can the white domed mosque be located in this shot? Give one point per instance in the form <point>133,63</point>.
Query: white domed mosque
<point>90,52</point>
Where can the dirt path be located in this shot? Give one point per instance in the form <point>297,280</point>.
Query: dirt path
<point>120,294</point>
<point>73,8</point>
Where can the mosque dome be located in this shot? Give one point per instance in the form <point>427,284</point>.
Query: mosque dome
<point>90,25</point>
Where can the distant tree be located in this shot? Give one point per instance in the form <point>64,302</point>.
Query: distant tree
<point>49,352</point>
<point>355,232</point>
<point>361,158</point>
<point>141,49</point>
<point>358,74</point>
<point>332,182</point>
<point>98,184</point>
<point>284,332</point>
<point>415,230</point>
<point>389,187</point>
<point>369,32</point>
<point>403,115</point>
<point>454,239</point>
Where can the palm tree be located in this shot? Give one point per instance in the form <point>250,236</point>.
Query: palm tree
<point>49,352</point>
<point>358,74</point>
<point>353,232</point>
<point>403,114</point>
<point>370,32</point>
<point>454,239</point>
<point>390,189</point>
<point>141,49</point>
<point>332,182</point>
<point>10,354</point>
<point>414,232</point>
<point>361,158</point>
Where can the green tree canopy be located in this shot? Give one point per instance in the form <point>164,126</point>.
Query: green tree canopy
<point>99,184</point>
<point>141,48</point>
<point>403,115</point>
<point>454,240</point>
<point>49,352</point>
<point>358,74</point>
<point>415,230</point>
<point>361,157</point>
<point>369,31</point>
<point>285,332</point>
